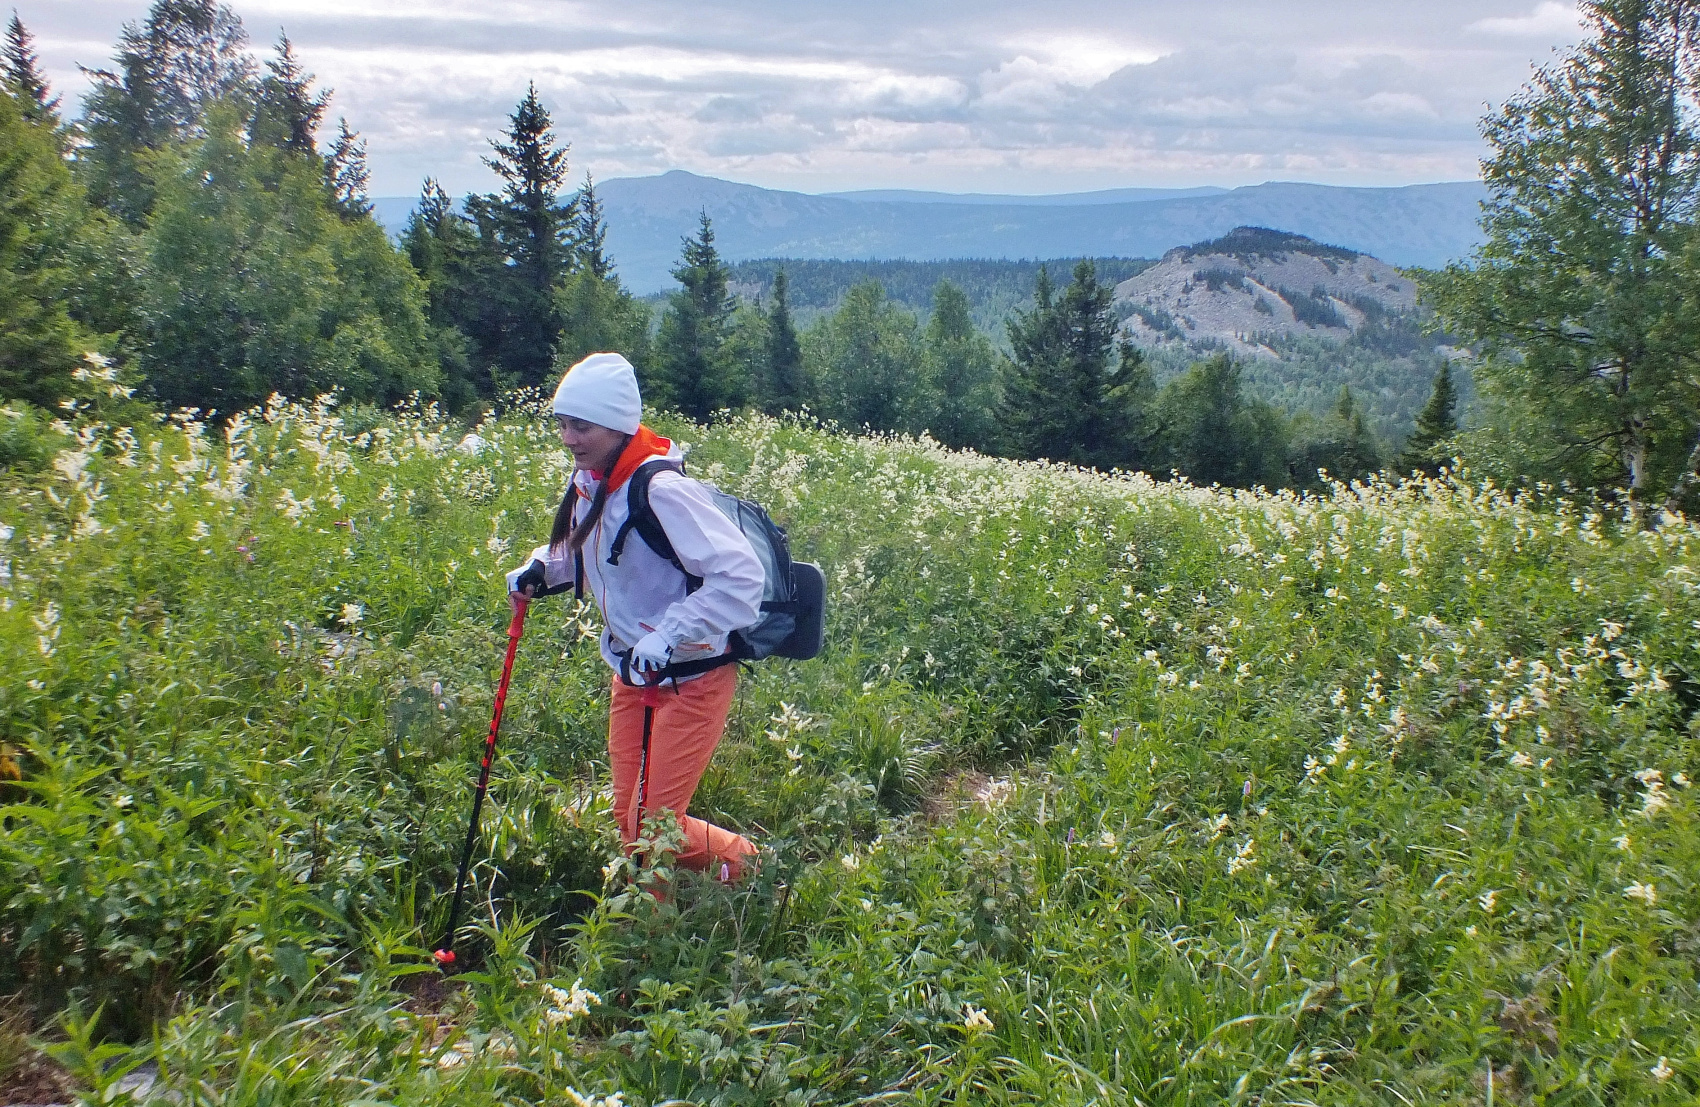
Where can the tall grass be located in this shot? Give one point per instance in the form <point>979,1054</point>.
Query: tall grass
<point>1106,791</point>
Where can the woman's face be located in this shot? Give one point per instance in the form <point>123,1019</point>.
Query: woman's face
<point>594,446</point>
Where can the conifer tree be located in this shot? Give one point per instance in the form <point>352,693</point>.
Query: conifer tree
<point>785,386</point>
<point>287,110</point>
<point>529,235</point>
<point>1055,405</point>
<point>592,233</point>
<point>19,65</point>
<point>183,57</point>
<point>1436,423</point>
<point>346,173</point>
<point>690,370</point>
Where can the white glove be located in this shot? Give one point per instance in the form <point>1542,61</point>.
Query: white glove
<point>652,653</point>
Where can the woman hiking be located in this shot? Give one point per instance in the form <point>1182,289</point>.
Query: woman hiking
<point>663,638</point>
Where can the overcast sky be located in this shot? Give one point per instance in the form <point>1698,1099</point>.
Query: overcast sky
<point>992,96</point>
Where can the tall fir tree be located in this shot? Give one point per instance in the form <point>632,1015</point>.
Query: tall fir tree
<point>287,109</point>
<point>1062,372</point>
<point>531,233</point>
<point>22,73</point>
<point>962,366</point>
<point>592,233</point>
<point>1436,423</point>
<point>690,371</point>
<point>786,386</point>
<point>347,175</point>
<point>185,56</point>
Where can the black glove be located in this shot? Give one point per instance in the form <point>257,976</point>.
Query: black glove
<point>532,582</point>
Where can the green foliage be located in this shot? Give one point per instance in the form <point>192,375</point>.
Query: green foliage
<point>1437,423</point>
<point>994,287</point>
<point>1578,300</point>
<point>287,109</point>
<point>40,211</point>
<point>255,284</point>
<point>963,368</point>
<point>20,71</point>
<point>530,236</point>
<point>1214,434</point>
<point>183,58</point>
<point>1057,398</point>
<point>691,373</point>
<point>865,362</point>
<point>785,386</point>
<point>598,314</point>
<point>1104,790</point>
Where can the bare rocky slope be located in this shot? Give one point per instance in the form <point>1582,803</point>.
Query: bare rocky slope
<point>1254,285</point>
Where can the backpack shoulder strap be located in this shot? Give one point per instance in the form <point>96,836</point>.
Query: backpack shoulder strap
<point>641,517</point>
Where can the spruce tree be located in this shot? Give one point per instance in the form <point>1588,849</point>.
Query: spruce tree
<point>1055,406</point>
<point>786,387</point>
<point>1034,424</point>
<point>592,233</point>
<point>22,74</point>
<point>346,173</point>
<point>1436,423</point>
<point>287,110</point>
<point>530,237</point>
<point>690,368</point>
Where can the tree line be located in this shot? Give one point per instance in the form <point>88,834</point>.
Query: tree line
<point>190,227</point>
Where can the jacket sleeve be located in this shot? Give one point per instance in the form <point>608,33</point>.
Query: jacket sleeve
<point>710,546</point>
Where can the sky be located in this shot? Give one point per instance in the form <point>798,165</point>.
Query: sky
<point>989,96</point>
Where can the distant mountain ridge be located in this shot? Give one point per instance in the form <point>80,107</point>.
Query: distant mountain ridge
<point>1424,225</point>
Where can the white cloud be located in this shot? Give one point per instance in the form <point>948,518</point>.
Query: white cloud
<point>1549,20</point>
<point>1001,94</point>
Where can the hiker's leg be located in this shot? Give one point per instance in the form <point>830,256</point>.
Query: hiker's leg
<point>625,752</point>
<point>688,726</point>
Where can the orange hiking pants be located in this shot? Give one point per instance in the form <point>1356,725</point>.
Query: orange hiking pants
<point>689,719</point>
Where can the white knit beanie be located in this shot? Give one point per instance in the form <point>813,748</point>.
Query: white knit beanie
<point>602,389</point>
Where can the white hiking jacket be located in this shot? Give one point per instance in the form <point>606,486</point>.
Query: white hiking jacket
<point>645,592</point>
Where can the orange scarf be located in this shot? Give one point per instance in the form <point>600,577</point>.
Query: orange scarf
<point>644,445</point>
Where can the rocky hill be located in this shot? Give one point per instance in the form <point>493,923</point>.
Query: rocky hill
<point>1254,285</point>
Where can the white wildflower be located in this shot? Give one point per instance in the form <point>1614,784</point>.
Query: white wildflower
<point>975,1020</point>
<point>1219,825</point>
<point>351,615</point>
<point>1662,1071</point>
<point>1521,760</point>
<point>1245,856</point>
<point>1488,900</point>
<point>1622,842</point>
<point>851,862</point>
<point>1107,840</point>
<point>1646,893</point>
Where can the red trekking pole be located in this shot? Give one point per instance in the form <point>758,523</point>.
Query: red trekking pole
<point>446,954</point>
